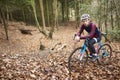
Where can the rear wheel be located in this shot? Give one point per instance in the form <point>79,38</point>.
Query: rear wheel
<point>104,38</point>
<point>105,53</point>
<point>74,62</point>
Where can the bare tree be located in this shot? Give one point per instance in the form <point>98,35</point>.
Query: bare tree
<point>4,22</point>
<point>42,15</point>
<point>35,14</point>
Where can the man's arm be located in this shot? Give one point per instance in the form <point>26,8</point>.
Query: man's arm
<point>80,31</point>
<point>91,33</point>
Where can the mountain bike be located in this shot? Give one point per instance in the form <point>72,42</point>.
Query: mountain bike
<point>79,56</point>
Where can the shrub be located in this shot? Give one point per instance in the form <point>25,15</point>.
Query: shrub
<point>114,35</point>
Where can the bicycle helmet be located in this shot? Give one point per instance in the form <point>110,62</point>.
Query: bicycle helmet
<point>85,16</point>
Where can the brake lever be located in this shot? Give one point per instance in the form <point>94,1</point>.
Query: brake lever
<point>74,36</point>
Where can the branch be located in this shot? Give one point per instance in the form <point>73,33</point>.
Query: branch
<point>26,31</point>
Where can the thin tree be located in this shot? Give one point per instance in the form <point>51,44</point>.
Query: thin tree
<point>77,13</point>
<point>4,22</point>
<point>55,13</point>
<point>48,18</point>
<point>42,15</point>
<point>117,12</point>
<point>111,9</point>
<point>0,19</point>
<point>65,11</point>
<point>54,20</point>
<point>105,15</point>
<point>3,8</point>
<point>99,14</point>
<point>35,14</point>
<point>62,9</point>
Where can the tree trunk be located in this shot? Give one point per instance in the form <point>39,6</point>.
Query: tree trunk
<point>111,16</point>
<point>55,14</point>
<point>11,16</point>
<point>105,15</point>
<point>1,19</point>
<point>77,13</point>
<point>7,11</point>
<point>75,6</point>
<point>48,18</point>
<point>23,12</point>
<point>35,15</point>
<point>117,13</point>
<point>42,13</point>
<point>63,18</point>
<point>54,18</point>
<point>66,10</point>
<point>5,23</point>
<point>99,15</point>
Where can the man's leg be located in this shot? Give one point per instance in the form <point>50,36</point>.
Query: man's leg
<point>91,46</point>
<point>92,49</point>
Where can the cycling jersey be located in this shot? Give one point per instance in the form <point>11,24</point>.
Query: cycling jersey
<point>91,29</point>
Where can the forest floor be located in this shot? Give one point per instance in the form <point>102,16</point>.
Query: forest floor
<point>21,59</point>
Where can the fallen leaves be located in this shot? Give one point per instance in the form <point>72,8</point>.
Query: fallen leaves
<point>52,67</point>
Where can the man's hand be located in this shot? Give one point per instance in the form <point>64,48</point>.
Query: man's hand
<point>77,38</point>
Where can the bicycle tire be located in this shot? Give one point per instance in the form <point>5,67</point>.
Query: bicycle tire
<point>104,55</point>
<point>104,38</point>
<point>73,67</point>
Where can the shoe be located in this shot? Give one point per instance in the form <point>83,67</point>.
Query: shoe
<point>90,56</point>
<point>94,57</point>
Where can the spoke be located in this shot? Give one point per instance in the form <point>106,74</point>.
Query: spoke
<point>105,53</point>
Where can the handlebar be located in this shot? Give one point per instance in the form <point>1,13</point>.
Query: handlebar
<point>74,36</point>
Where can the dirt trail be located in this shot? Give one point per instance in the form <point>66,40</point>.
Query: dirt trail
<point>24,43</point>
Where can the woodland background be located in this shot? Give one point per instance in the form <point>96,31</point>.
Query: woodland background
<point>36,38</point>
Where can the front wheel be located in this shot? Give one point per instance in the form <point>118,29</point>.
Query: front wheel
<point>105,53</point>
<point>74,62</point>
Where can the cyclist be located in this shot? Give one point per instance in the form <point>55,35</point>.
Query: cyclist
<point>93,36</point>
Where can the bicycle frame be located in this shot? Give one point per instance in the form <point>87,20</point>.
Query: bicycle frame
<point>85,46</point>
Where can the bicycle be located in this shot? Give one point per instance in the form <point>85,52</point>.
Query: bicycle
<point>79,56</point>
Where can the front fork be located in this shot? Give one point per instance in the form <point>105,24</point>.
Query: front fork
<point>82,51</point>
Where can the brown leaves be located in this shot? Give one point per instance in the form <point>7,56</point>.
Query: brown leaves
<point>52,67</point>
